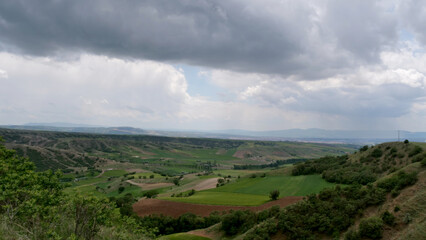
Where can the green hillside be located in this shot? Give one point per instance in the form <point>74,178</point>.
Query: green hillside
<point>166,155</point>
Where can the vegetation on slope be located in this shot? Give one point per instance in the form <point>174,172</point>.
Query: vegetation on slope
<point>165,155</point>
<point>34,206</point>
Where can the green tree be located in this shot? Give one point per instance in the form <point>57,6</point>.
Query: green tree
<point>29,200</point>
<point>90,213</point>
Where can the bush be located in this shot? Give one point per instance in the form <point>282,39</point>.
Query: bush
<point>371,228</point>
<point>377,153</point>
<point>151,194</point>
<point>352,235</point>
<point>415,151</point>
<point>176,181</point>
<point>388,218</point>
<point>407,218</point>
<point>262,231</point>
<point>396,208</point>
<point>406,141</point>
<point>398,181</point>
<point>364,148</point>
<point>238,221</point>
<point>395,193</point>
<point>273,195</point>
<point>121,189</point>
<point>423,162</point>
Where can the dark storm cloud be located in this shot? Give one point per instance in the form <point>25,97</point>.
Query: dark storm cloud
<point>308,39</point>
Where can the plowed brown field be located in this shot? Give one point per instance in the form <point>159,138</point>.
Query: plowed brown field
<point>145,207</point>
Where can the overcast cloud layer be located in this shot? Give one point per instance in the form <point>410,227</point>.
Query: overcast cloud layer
<point>275,64</point>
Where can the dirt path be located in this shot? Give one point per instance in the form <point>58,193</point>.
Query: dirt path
<point>146,207</point>
<point>100,175</point>
<point>149,186</point>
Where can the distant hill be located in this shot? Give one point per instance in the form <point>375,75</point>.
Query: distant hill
<point>306,135</point>
<point>167,155</point>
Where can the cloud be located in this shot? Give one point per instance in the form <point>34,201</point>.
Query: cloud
<point>371,94</point>
<point>3,74</point>
<point>309,39</point>
<point>93,89</point>
<point>413,15</point>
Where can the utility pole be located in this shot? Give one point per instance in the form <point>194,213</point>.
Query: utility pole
<point>398,135</point>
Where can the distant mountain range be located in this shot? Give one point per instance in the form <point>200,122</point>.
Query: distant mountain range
<point>306,135</point>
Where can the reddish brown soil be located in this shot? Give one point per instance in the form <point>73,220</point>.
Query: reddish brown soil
<point>147,207</point>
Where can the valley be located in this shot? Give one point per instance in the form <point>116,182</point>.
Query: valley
<point>173,186</point>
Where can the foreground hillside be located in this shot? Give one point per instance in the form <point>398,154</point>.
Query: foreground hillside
<point>382,197</point>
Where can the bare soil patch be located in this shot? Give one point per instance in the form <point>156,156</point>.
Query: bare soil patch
<point>206,184</point>
<point>145,207</point>
<point>241,153</point>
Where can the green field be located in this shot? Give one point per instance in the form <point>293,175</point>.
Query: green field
<point>183,236</point>
<point>222,198</point>
<point>287,185</point>
<point>255,191</point>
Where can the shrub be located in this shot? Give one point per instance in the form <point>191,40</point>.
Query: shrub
<point>407,218</point>
<point>396,208</point>
<point>415,151</point>
<point>371,228</point>
<point>151,194</point>
<point>262,231</point>
<point>423,162</point>
<point>399,181</point>
<point>352,235</point>
<point>176,181</point>
<point>406,141</point>
<point>238,221</point>
<point>377,153</point>
<point>388,218</point>
<point>121,189</point>
<point>273,195</point>
<point>395,193</point>
<point>364,148</point>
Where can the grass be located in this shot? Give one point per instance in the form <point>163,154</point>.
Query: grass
<point>255,191</point>
<point>84,190</point>
<point>183,236</point>
<point>287,185</point>
<point>114,173</point>
<point>236,173</point>
<point>222,198</point>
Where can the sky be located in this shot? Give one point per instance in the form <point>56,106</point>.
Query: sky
<point>214,65</point>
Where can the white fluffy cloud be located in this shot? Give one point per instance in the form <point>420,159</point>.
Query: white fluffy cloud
<point>3,74</point>
<point>93,89</point>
